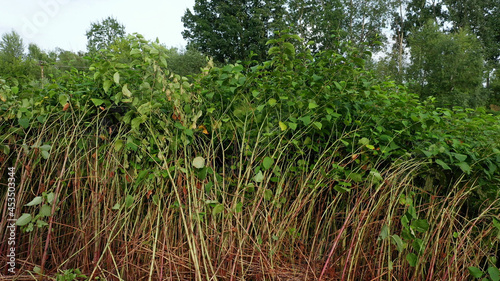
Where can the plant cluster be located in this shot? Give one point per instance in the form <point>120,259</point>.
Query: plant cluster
<point>302,166</point>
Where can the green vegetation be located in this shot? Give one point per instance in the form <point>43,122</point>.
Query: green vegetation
<point>104,33</point>
<point>302,162</point>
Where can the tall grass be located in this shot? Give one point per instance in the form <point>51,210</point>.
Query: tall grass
<point>226,222</point>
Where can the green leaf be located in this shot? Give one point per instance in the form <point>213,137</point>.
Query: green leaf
<point>418,245</point>
<point>272,102</point>
<point>273,50</point>
<point>45,147</point>
<point>106,85</point>
<point>384,232</point>
<point>412,259</point>
<point>465,167</point>
<point>342,187</point>
<point>135,51</point>
<point>116,77</point>
<point>396,240</point>
<point>268,194</point>
<point>129,201</point>
<point>289,48</point>
<point>145,108</point>
<point>50,197</point>
<point>364,141</point>
<point>337,85</point>
<point>219,208</point>
<point>136,122</point>
<point>259,177</point>
<point>23,220</point>
<point>116,206</point>
<point>199,162</point>
<point>156,199</point>
<point>475,272</point>
<point>442,164</point>
<point>36,201</point>
<point>118,145</point>
<point>5,149</point>
<point>41,223</point>
<point>306,120</point>
<point>126,92</point>
<point>460,157</point>
<point>63,99</point>
<point>420,225</point>
<point>312,105</point>
<point>496,223</point>
<point>97,102</point>
<point>24,122</point>
<point>318,125</point>
<point>45,210</point>
<point>239,207</point>
<point>45,154</point>
<point>238,68</point>
<point>356,177</point>
<point>494,273</point>
<point>14,90</point>
<point>267,163</point>
<point>292,126</point>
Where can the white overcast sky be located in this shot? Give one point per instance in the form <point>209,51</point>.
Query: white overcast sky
<point>63,23</point>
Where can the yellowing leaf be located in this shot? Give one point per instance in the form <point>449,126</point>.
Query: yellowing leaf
<point>283,126</point>
<point>203,129</point>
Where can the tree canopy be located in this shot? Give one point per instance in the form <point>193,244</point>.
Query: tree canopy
<point>230,30</point>
<point>448,66</point>
<point>102,34</point>
<point>11,47</point>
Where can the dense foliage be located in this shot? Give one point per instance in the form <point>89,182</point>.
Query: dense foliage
<point>242,134</point>
<point>464,32</point>
<point>102,34</point>
<point>273,158</point>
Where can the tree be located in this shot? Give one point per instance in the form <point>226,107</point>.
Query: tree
<point>317,21</point>
<point>495,88</point>
<point>365,21</point>
<point>102,34</point>
<point>11,55</point>
<point>326,22</point>
<point>229,30</point>
<point>35,53</point>
<point>409,16</point>
<point>483,19</point>
<point>185,62</point>
<point>447,66</point>
<point>12,47</point>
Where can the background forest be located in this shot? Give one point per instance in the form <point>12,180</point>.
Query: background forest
<point>446,49</point>
<point>290,140</point>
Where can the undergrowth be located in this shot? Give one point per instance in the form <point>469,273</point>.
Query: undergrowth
<point>299,168</point>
